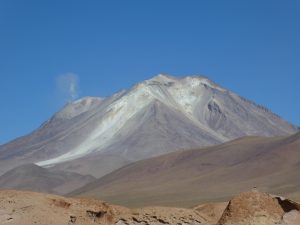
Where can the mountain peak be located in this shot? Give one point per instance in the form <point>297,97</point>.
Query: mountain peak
<point>187,81</point>
<point>162,78</point>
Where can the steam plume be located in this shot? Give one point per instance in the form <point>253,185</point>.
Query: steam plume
<point>67,86</point>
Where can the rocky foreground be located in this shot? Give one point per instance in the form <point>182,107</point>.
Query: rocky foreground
<point>250,208</point>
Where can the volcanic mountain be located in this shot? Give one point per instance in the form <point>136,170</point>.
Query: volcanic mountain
<point>161,115</point>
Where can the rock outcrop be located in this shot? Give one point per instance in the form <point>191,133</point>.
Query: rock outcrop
<point>256,208</point>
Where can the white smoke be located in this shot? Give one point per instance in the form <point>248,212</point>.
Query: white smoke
<point>67,86</point>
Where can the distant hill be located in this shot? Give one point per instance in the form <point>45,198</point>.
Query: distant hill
<point>185,178</point>
<point>31,177</point>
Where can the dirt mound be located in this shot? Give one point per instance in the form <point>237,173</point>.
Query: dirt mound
<point>256,208</point>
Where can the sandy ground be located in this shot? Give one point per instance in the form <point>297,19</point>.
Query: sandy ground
<point>27,208</point>
<point>250,208</point>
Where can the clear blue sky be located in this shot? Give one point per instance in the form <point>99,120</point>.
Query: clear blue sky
<point>251,47</point>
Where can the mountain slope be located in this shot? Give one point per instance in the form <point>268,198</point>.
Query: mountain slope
<point>156,116</point>
<point>212,174</point>
<point>34,178</point>
<point>158,130</point>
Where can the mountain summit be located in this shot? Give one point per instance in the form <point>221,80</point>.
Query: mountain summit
<point>157,116</point>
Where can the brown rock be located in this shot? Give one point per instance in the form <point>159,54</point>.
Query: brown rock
<point>256,208</point>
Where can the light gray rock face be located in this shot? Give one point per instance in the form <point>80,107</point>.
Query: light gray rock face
<point>154,117</point>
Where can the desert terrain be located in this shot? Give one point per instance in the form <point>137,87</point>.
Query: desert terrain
<point>249,208</point>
